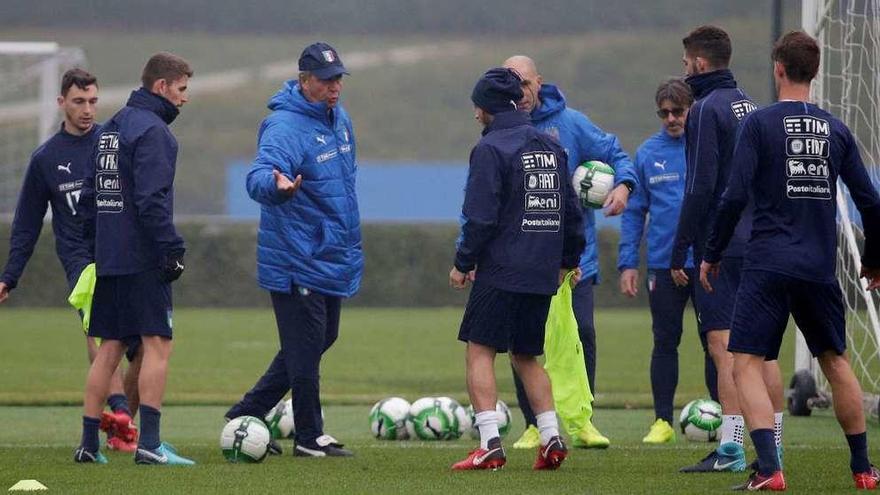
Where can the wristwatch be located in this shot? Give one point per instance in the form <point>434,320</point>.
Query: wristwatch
<point>630,186</point>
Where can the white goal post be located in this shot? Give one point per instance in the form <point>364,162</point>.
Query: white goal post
<point>848,86</point>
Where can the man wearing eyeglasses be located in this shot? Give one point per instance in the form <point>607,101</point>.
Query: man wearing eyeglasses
<point>660,166</point>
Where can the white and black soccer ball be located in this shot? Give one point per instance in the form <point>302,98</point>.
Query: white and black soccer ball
<point>593,182</point>
<point>245,439</point>
<point>279,419</point>
<point>430,419</point>
<point>700,420</point>
<point>503,413</point>
<point>388,419</point>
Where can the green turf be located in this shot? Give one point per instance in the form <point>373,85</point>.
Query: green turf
<point>409,352</point>
<point>40,443</point>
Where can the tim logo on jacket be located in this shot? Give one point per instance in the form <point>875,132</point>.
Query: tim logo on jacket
<point>542,200</point>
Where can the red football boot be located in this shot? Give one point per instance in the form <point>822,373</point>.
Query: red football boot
<point>757,482</point>
<point>491,458</point>
<point>867,480</point>
<point>119,443</point>
<point>550,456</point>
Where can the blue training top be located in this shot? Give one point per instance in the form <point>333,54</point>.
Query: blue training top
<point>54,177</point>
<point>788,158</point>
<point>709,136</point>
<point>660,166</point>
<point>522,221</point>
<point>128,198</point>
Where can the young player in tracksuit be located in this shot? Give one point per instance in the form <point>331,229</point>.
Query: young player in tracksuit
<point>309,254</point>
<point>660,166</point>
<point>788,158</point>
<point>128,215</point>
<point>582,141</point>
<point>54,178</point>
<point>709,137</point>
<point>521,233</point>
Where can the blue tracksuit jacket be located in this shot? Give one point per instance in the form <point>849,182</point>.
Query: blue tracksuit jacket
<point>660,166</point>
<point>583,141</point>
<point>709,136</point>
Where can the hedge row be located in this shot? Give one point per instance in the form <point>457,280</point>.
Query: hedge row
<point>406,265</point>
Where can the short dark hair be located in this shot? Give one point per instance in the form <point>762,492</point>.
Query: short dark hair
<point>799,54</point>
<point>674,90</point>
<point>711,43</point>
<point>76,77</point>
<point>164,65</point>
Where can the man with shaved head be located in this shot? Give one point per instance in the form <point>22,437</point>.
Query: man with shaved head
<point>583,141</point>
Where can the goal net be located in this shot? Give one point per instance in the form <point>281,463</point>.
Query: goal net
<point>30,76</point>
<point>848,86</point>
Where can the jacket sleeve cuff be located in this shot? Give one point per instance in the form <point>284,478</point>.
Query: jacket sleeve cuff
<point>463,266</point>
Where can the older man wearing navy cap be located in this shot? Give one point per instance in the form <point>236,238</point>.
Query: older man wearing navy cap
<point>309,254</point>
<point>522,231</point>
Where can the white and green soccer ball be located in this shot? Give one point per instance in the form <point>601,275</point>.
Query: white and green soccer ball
<point>503,420</point>
<point>245,439</point>
<point>700,420</point>
<point>431,418</point>
<point>279,419</point>
<point>593,182</point>
<point>388,419</point>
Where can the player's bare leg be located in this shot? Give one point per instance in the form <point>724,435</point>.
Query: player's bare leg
<point>480,362</point>
<point>730,455</point>
<point>776,390</point>
<point>848,409</point>
<point>117,424</point>
<point>130,381</point>
<point>552,451</point>
<point>101,371</point>
<point>151,385</point>
<point>754,398</point>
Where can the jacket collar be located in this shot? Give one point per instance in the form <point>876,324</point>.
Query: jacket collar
<point>506,120</point>
<point>703,84</point>
<point>147,100</point>
<point>291,99</point>
<point>551,100</point>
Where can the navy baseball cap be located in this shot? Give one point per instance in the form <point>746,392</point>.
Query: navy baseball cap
<point>321,60</point>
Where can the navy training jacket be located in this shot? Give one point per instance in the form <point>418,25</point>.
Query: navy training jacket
<point>522,221</point>
<point>54,178</point>
<point>128,202</point>
<point>710,133</point>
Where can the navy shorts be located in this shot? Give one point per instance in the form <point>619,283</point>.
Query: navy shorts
<point>505,320</point>
<point>715,310</point>
<point>765,300</point>
<point>126,307</point>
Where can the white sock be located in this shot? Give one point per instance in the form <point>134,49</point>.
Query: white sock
<point>487,424</point>
<point>733,428</point>
<point>777,428</point>
<point>548,426</point>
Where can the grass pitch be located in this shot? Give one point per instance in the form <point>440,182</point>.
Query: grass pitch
<point>407,352</point>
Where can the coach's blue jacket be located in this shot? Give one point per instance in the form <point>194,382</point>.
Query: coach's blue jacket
<point>583,141</point>
<point>132,188</point>
<point>53,178</point>
<point>521,220</point>
<point>312,240</point>
<point>710,134</point>
<point>660,167</point>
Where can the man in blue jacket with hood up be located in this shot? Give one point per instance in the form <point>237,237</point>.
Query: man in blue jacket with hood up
<point>309,254</point>
<point>127,207</point>
<point>583,141</point>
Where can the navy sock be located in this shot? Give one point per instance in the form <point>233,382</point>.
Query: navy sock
<point>765,445</point>
<point>858,451</point>
<point>118,403</point>
<point>149,428</point>
<point>90,434</point>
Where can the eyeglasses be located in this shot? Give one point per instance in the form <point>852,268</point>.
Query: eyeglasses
<point>676,112</point>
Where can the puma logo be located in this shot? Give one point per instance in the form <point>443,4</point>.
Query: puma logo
<point>661,165</point>
<point>321,139</point>
<point>66,168</point>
